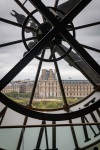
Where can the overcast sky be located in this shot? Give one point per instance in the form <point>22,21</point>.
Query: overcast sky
<point>10,55</point>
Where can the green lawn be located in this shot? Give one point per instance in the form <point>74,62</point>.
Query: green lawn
<point>54,103</point>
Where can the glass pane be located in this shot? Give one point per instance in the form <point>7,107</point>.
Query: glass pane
<point>9,138</point>
<point>54,137</point>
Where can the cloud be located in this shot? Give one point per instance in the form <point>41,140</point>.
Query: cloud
<point>10,55</point>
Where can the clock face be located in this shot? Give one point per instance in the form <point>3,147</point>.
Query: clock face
<point>79,133</point>
<point>62,35</point>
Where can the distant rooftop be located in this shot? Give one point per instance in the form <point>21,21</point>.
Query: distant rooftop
<point>48,75</point>
<point>75,81</point>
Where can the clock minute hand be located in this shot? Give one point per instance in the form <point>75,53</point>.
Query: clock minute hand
<point>76,9</point>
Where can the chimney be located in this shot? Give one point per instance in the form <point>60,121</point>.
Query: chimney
<point>51,74</point>
<point>43,73</point>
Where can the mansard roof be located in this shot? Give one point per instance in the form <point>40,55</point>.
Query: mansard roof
<point>76,81</point>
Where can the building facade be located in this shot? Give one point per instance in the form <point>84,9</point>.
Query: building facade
<point>48,86</point>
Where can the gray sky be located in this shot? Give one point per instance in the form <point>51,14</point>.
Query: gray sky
<point>10,55</point>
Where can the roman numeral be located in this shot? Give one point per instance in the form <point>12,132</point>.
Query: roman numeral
<point>84,119</point>
<point>74,136</point>
<point>54,137</point>
<point>92,101</point>
<point>44,130</point>
<point>22,134</point>
<point>2,114</point>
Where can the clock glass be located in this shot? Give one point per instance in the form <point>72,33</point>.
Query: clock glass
<point>50,73</point>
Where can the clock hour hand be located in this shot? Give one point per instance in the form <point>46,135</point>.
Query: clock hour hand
<point>74,60</point>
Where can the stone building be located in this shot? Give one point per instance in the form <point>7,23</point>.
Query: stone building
<point>48,86</point>
<point>26,87</point>
<point>13,86</point>
<point>77,88</point>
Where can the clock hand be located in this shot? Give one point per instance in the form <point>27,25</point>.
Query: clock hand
<point>14,71</point>
<point>23,62</point>
<point>79,6</point>
<point>74,60</point>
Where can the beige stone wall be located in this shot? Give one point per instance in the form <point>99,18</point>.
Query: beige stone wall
<point>49,87</point>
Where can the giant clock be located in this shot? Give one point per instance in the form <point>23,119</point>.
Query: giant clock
<point>49,35</point>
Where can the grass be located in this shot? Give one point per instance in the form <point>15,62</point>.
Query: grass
<point>54,103</point>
